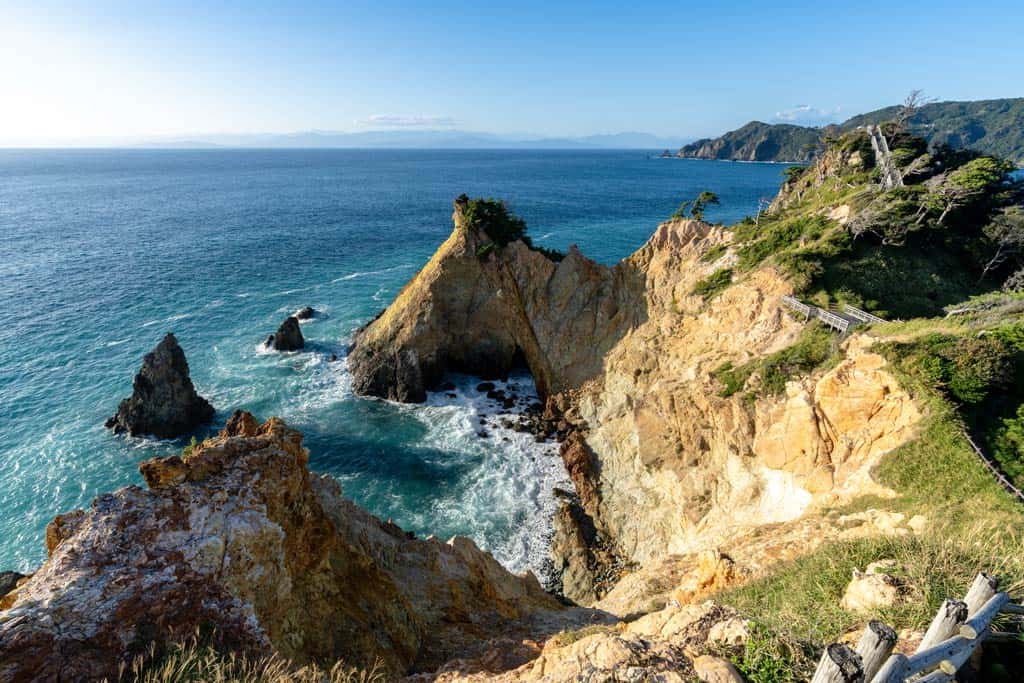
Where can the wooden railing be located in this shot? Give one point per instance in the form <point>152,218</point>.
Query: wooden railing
<point>991,466</point>
<point>860,315</point>
<point>954,634</point>
<point>840,320</point>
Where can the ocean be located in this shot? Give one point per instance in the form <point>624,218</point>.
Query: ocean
<point>104,251</point>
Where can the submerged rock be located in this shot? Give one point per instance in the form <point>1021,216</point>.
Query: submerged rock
<point>288,336</point>
<point>240,538</point>
<point>164,403</point>
<point>305,313</point>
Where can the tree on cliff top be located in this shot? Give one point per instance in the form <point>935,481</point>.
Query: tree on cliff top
<point>493,217</point>
<point>697,206</point>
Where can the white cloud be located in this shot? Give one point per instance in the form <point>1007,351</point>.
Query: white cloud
<point>396,121</point>
<point>808,115</point>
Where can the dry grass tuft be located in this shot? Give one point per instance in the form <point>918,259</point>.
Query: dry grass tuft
<point>192,662</point>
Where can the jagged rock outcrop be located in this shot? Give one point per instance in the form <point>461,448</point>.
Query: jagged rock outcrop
<point>240,539</point>
<point>662,464</point>
<point>164,403</point>
<point>481,310</point>
<point>659,646</point>
<point>288,336</point>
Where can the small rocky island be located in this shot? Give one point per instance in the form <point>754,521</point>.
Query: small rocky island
<point>164,403</point>
<point>288,336</point>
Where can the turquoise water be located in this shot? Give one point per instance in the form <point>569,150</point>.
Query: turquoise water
<point>103,252</point>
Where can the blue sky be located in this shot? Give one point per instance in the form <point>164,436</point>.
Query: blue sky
<point>106,69</point>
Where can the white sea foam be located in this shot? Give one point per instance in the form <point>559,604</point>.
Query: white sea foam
<point>513,479</point>
<point>356,274</point>
<point>116,343</point>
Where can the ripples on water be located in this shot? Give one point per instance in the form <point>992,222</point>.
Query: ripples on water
<point>103,252</point>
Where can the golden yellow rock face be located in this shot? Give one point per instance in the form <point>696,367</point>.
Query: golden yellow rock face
<point>662,463</point>
<point>680,468</point>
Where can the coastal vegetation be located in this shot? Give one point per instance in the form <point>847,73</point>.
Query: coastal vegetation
<point>501,225</point>
<point>695,208</point>
<point>945,250</point>
<point>196,662</point>
<point>952,230</point>
<point>714,283</point>
<point>815,349</point>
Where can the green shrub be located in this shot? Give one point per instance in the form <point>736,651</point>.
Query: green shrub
<point>793,173</point>
<point>713,284</point>
<point>484,250</point>
<point>813,350</point>
<point>979,365</point>
<point>494,218</point>
<point>773,237</point>
<point>815,346</point>
<point>714,253</point>
<point>731,378</point>
<point>966,369</point>
<point>1009,446</point>
<point>188,450</point>
<point>767,658</point>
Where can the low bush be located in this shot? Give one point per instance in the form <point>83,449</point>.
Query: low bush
<point>967,369</point>
<point>713,284</point>
<point>815,349</point>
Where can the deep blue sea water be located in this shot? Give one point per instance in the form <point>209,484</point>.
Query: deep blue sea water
<point>102,252</point>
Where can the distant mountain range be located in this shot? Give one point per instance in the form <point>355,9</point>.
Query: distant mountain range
<point>990,126</point>
<point>414,139</point>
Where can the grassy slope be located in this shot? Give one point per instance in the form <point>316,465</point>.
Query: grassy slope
<point>974,524</point>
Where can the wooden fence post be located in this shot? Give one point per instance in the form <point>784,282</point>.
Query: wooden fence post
<point>951,614</point>
<point>893,671</point>
<point>978,624</point>
<point>875,646</point>
<point>982,590</point>
<point>839,664</point>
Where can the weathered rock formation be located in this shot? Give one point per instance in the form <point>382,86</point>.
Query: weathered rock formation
<point>239,538</point>
<point>288,336</point>
<point>659,646</point>
<point>481,311</point>
<point>661,462</point>
<point>164,402</point>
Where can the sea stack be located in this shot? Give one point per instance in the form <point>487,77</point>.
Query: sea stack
<point>164,403</point>
<point>288,336</point>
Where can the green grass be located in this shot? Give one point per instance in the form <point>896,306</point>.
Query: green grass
<point>767,658</point>
<point>714,253</point>
<point>713,284</point>
<point>974,525</point>
<point>816,348</point>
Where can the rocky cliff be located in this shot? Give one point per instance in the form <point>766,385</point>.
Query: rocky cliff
<point>661,461</point>
<point>482,309</point>
<point>240,541</point>
<point>758,141</point>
